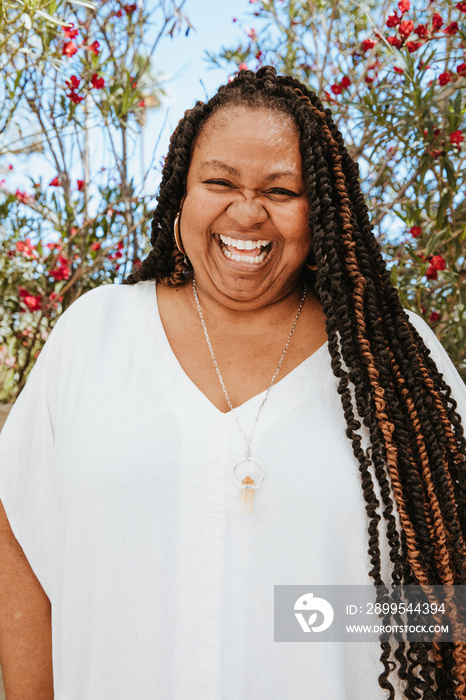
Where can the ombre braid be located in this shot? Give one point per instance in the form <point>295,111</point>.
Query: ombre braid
<point>386,377</point>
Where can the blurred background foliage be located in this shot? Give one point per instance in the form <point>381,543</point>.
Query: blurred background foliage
<point>77,81</point>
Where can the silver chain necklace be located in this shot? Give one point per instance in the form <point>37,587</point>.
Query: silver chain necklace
<point>248,483</point>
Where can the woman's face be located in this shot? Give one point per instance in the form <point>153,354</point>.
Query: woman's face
<point>244,222</point>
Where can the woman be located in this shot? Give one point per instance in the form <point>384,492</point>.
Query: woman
<point>273,349</point>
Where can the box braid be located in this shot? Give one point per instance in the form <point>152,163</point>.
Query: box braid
<point>385,373</point>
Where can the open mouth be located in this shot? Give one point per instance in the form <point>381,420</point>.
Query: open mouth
<point>244,250</point>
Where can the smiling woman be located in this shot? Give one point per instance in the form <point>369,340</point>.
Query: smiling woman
<point>245,214</point>
<point>252,408</point>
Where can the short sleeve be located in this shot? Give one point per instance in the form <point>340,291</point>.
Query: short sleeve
<point>443,362</point>
<point>26,459</point>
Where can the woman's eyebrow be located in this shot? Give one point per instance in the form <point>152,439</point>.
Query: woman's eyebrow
<point>234,171</point>
<point>219,164</point>
<point>282,173</point>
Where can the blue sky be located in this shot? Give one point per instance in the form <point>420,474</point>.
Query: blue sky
<point>184,59</point>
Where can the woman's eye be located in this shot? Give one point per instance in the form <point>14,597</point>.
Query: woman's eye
<point>281,191</point>
<point>222,183</point>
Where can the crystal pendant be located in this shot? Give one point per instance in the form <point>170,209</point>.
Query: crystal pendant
<point>242,477</point>
<point>247,495</point>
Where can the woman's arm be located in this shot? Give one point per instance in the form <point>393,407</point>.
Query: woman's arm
<point>25,624</point>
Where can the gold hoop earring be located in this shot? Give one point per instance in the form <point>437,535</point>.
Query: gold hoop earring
<point>311,267</point>
<point>177,235</point>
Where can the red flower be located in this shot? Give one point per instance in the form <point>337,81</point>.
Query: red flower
<point>55,182</point>
<point>461,6</point>
<point>435,153</point>
<point>22,197</point>
<point>243,66</point>
<point>421,29</point>
<point>415,231</point>
<point>404,6</point>
<point>73,83</point>
<point>129,9</point>
<point>97,82</point>
<point>406,27</point>
<point>62,271</point>
<point>368,44</point>
<point>336,88</point>
<point>26,248</point>
<point>94,246</point>
<point>74,97</point>
<point>451,29</point>
<point>33,303</point>
<point>436,263</point>
<point>369,80</point>
<point>10,167</point>
<point>119,13</point>
<point>413,45</point>
<point>345,81</point>
<point>461,69</point>
<point>69,32</point>
<point>52,246</point>
<point>393,20</point>
<point>394,41</point>
<point>69,49</point>
<point>456,137</point>
<point>94,47</point>
<point>398,70</point>
<point>80,185</point>
<point>434,316</point>
<point>252,34</point>
<point>444,78</point>
<point>142,103</point>
<point>437,22</point>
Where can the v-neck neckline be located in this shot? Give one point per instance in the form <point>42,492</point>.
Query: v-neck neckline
<point>193,386</point>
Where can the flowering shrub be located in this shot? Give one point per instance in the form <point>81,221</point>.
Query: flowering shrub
<point>85,224</point>
<point>395,81</point>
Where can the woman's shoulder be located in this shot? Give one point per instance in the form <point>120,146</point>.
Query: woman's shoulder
<point>112,296</point>
<point>109,311</point>
<point>110,303</point>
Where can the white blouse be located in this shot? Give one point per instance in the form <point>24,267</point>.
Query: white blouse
<point>115,473</point>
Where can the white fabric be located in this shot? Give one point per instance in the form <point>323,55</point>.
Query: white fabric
<point>115,472</point>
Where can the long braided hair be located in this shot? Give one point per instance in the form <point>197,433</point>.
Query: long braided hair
<point>385,373</point>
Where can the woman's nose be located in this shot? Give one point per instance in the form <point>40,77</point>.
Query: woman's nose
<point>247,212</point>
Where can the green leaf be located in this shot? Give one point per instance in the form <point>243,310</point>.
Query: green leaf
<point>433,241</point>
<point>451,175</point>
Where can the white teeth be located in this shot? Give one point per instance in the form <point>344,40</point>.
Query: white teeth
<point>242,244</point>
<point>245,258</point>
